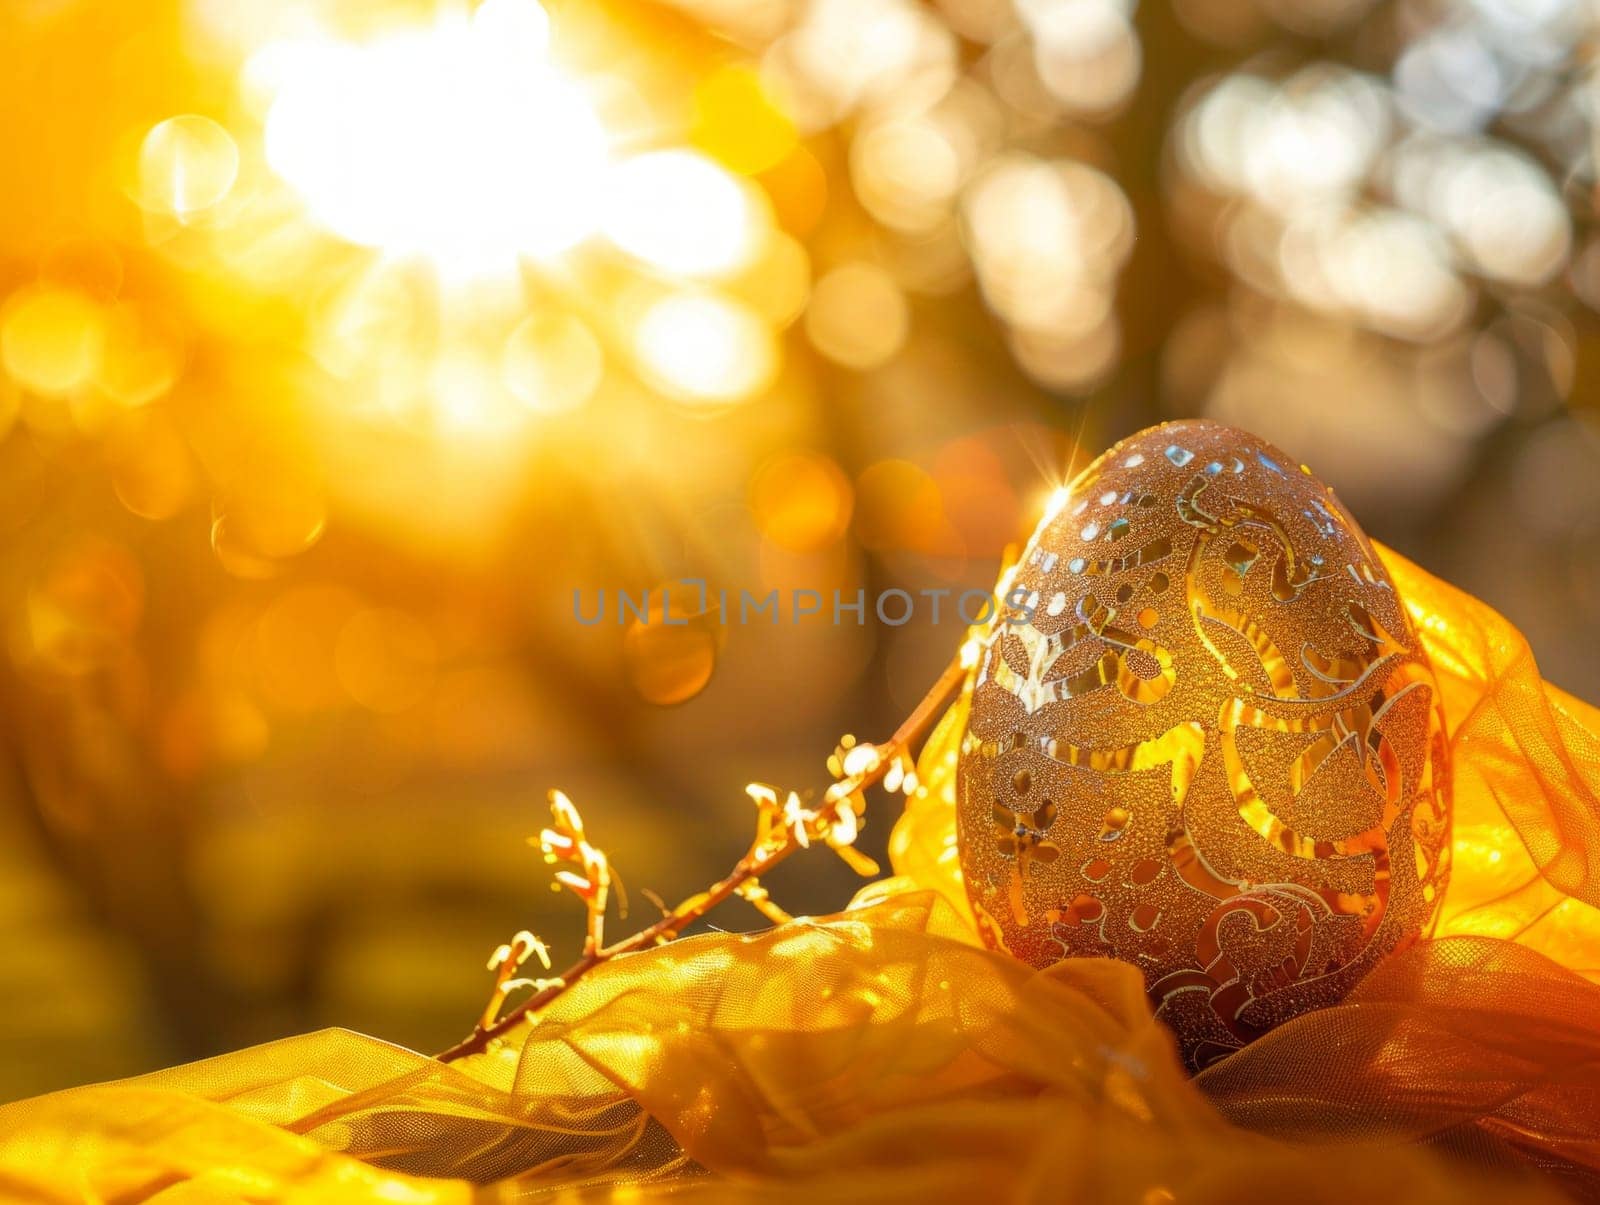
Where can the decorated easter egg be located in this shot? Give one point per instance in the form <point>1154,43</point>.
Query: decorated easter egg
<point>1204,740</point>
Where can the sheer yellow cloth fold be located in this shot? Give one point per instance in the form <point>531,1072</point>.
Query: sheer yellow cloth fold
<point>883,1054</point>
<point>1526,757</point>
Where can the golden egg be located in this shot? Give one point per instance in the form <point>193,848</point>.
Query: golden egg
<point>1205,740</point>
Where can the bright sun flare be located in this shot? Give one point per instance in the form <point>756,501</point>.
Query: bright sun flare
<point>460,142</point>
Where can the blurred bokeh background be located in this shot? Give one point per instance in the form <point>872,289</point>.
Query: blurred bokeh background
<point>342,341</point>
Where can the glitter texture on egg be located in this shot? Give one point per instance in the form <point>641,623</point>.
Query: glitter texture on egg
<point>1204,740</point>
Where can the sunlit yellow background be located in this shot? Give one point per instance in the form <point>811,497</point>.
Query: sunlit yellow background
<point>342,341</point>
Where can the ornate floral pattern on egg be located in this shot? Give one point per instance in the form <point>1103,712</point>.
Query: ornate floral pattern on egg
<point>1205,740</point>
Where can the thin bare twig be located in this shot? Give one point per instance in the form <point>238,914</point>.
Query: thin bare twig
<point>783,828</point>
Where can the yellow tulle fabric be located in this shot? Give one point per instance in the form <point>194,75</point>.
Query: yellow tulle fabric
<point>882,1053</point>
